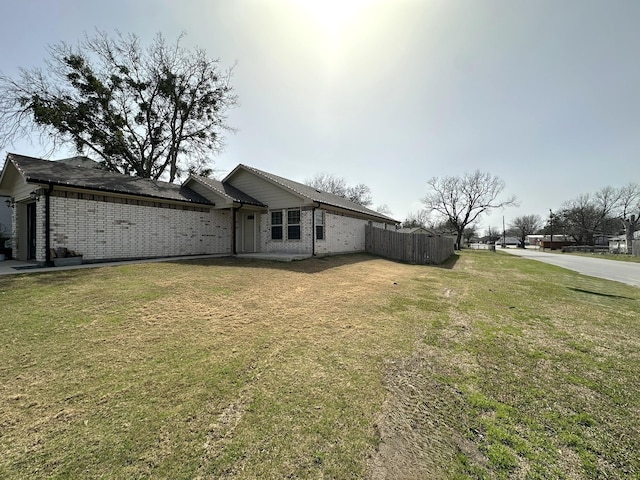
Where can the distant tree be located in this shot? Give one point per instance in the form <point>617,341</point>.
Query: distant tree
<point>360,194</point>
<point>468,234</point>
<point>630,226</point>
<point>581,219</point>
<point>462,200</point>
<point>629,203</point>
<point>492,234</point>
<point>525,225</point>
<point>328,183</point>
<point>590,215</point>
<point>417,219</point>
<point>384,209</point>
<point>142,111</point>
<point>629,200</point>
<point>443,227</point>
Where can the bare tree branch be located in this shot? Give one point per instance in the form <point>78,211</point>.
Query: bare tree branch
<point>460,201</point>
<point>360,194</point>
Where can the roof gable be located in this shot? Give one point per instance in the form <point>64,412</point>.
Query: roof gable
<point>311,194</point>
<point>224,190</point>
<point>8,175</point>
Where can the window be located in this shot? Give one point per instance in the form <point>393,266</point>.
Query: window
<point>293,224</point>
<point>319,221</point>
<point>276,225</point>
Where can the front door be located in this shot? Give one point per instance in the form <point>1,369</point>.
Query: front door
<point>249,233</point>
<point>31,231</point>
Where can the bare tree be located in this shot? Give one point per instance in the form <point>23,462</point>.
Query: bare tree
<point>581,219</point>
<point>630,226</point>
<point>629,199</point>
<point>360,194</point>
<point>591,215</point>
<point>462,200</point>
<point>492,234</point>
<point>417,219</point>
<point>525,225</point>
<point>630,202</point>
<point>469,233</point>
<point>328,182</point>
<point>142,111</point>
<point>384,209</point>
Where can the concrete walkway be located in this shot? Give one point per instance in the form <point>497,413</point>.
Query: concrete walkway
<point>619,271</point>
<point>13,267</point>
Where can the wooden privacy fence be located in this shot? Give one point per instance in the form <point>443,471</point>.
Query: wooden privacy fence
<point>416,248</point>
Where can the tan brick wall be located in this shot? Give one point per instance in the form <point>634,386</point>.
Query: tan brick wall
<point>102,230</point>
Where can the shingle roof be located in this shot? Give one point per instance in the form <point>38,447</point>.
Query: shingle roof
<point>35,170</point>
<point>421,230</point>
<point>228,191</point>
<point>314,194</point>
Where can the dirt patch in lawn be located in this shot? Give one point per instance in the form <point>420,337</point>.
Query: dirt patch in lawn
<point>423,418</point>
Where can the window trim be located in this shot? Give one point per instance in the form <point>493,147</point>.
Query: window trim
<point>297,225</point>
<point>319,226</point>
<point>276,226</point>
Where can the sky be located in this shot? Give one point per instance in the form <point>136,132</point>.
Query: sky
<point>544,94</point>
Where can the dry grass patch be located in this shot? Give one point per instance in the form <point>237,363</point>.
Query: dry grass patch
<point>341,367</point>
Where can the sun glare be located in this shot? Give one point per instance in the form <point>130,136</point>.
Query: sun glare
<point>334,16</point>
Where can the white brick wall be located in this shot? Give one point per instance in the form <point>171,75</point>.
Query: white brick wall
<point>103,230</point>
<point>304,245</point>
<point>41,223</point>
<point>342,234</point>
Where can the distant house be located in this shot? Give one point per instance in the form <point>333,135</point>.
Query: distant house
<point>618,244</point>
<point>555,242</point>
<point>534,240</point>
<point>508,241</point>
<point>419,230</point>
<point>107,216</point>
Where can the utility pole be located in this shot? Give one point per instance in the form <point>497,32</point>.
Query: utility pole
<point>551,229</point>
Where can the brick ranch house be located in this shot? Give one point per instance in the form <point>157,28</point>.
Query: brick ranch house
<point>106,216</point>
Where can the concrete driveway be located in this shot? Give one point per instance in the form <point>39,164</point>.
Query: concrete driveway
<point>625,272</point>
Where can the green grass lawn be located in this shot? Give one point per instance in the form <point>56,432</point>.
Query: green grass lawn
<point>621,257</point>
<point>492,366</point>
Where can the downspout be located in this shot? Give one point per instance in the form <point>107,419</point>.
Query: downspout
<point>47,226</point>
<point>313,230</point>
<point>234,210</point>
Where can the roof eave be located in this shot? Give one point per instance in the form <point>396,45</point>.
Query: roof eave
<point>232,201</point>
<point>364,214</point>
<point>111,190</point>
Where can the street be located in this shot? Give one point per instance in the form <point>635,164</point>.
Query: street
<point>619,271</point>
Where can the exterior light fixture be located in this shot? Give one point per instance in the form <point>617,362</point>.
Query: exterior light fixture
<point>35,195</point>
<point>10,202</point>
